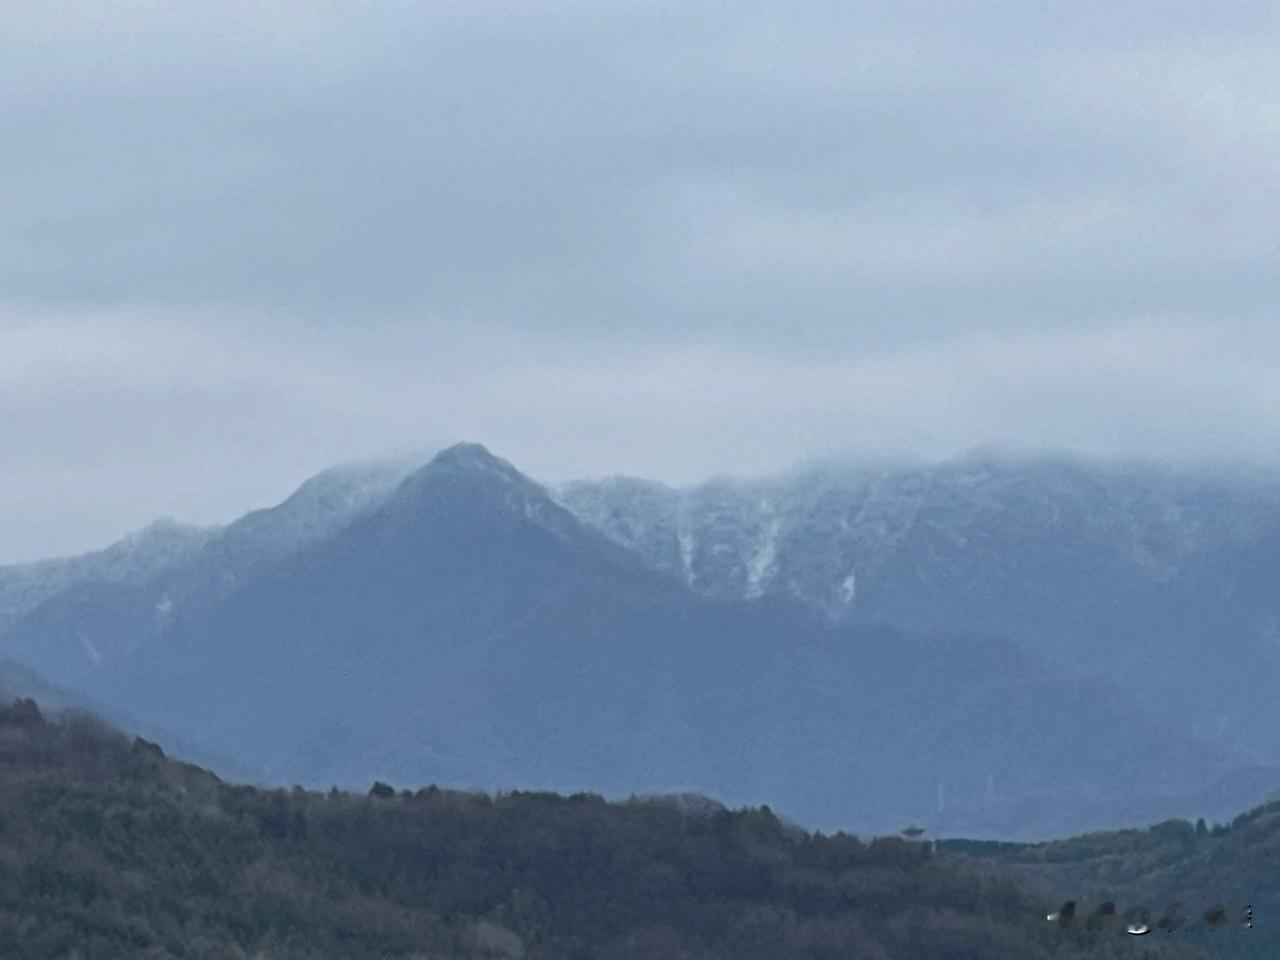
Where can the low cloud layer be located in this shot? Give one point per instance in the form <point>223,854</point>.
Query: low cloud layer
<point>243,241</point>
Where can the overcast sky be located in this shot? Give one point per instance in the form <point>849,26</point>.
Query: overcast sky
<point>240,241</point>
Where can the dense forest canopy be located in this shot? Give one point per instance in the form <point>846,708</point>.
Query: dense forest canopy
<point>109,849</point>
<point>1198,866</point>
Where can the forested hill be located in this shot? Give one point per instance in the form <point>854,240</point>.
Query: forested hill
<point>110,850</point>
<point>1196,866</point>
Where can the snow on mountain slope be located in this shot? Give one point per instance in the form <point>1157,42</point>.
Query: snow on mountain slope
<point>320,507</point>
<point>1137,573</point>
<point>101,608</point>
<point>196,560</point>
<point>135,558</point>
<point>814,534</point>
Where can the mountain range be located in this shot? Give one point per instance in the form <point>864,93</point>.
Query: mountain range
<point>996,647</point>
<point>1161,579</point>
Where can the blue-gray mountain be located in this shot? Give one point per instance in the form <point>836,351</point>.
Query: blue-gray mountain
<point>136,558</point>
<point>73,616</point>
<point>1166,581</point>
<point>460,625</point>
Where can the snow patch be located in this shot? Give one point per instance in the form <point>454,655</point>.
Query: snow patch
<point>765,562</point>
<point>93,653</point>
<point>685,538</point>
<point>848,591</point>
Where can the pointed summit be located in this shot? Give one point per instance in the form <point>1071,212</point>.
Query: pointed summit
<point>472,456</point>
<point>465,450</point>
<point>465,482</point>
<point>473,466</point>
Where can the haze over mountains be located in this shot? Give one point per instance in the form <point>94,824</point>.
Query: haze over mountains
<point>995,646</point>
<point>1161,579</point>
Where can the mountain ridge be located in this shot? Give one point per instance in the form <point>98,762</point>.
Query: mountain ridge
<point>475,623</point>
<point>1137,575</point>
<point>462,616</point>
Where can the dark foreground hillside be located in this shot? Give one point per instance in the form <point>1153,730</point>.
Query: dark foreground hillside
<point>108,849</point>
<point>1196,866</point>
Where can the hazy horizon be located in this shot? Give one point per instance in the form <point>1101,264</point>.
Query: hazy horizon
<point>887,428</point>
<point>1226,470</point>
<point>663,239</point>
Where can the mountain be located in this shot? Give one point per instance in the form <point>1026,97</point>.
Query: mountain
<point>111,850</point>
<point>468,629</point>
<point>137,557</point>
<point>1159,579</point>
<point>106,609</point>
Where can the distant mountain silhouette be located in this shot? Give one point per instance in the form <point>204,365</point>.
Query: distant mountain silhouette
<point>1159,579</point>
<point>115,600</point>
<point>156,548</point>
<point>467,628</point>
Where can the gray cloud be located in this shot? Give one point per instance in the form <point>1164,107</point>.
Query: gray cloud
<point>244,240</point>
